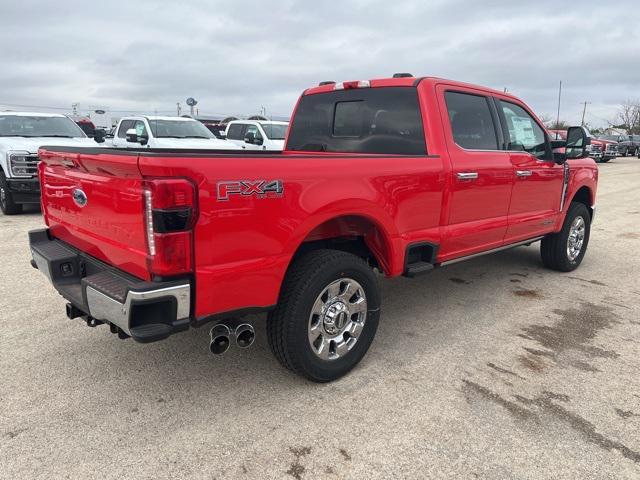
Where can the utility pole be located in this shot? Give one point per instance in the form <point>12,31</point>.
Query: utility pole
<point>559,98</point>
<point>584,111</point>
<point>179,110</point>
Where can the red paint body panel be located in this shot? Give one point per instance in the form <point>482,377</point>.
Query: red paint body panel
<point>243,244</point>
<point>110,226</point>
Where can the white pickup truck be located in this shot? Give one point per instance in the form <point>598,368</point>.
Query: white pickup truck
<point>21,135</point>
<point>257,134</point>
<point>165,132</point>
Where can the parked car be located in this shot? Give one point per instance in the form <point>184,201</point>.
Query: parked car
<point>21,134</point>
<point>609,148</point>
<point>627,144</point>
<point>86,125</point>
<point>400,175</point>
<point>166,132</point>
<point>600,150</point>
<point>257,134</point>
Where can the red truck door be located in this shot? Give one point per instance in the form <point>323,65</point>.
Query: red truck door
<point>535,200</point>
<point>481,173</point>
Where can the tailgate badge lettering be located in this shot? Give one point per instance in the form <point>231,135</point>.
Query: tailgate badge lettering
<point>79,197</point>
<point>256,188</point>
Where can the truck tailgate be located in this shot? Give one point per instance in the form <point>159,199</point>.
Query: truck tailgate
<point>94,202</point>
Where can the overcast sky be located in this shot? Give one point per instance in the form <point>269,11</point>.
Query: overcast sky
<point>236,57</point>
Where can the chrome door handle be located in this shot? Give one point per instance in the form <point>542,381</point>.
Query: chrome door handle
<point>467,175</point>
<point>524,173</point>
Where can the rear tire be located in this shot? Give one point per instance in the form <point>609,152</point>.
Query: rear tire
<point>323,281</point>
<point>7,205</point>
<point>564,251</point>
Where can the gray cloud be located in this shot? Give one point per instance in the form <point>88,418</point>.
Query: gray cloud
<point>238,56</point>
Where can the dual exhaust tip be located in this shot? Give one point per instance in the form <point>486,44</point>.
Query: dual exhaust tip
<point>221,334</point>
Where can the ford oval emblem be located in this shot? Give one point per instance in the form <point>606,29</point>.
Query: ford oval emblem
<point>79,197</point>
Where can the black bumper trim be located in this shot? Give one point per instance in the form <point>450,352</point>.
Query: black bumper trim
<point>146,311</point>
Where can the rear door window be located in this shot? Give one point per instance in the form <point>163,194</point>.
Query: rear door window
<point>236,131</point>
<point>253,129</point>
<point>384,120</point>
<point>471,121</point>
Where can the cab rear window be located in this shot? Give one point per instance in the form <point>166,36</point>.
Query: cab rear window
<point>367,120</point>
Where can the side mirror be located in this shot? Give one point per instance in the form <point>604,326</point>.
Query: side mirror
<point>258,141</point>
<point>99,135</point>
<point>250,137</point>
<point>143,140</point>
<point>577,141</point>
<point>132,136</point>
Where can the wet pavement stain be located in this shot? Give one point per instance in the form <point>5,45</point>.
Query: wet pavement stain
<point>503,370</point>
<point>471,389</point>
<point>532,362</point>
<point>515,274</point>
<point>460,280</point>
<point>296,470</point>
<point>15,433</point>
<point>575,329</point>
<point>584,366</point>
<point>630,235</point>
<point>580,425</point>
<point>515,280</point>
<point>535,294</point>
<point>345,454</point>
<point>538,353</point>
<point>626,413</point>
<point>556,396</point>
<point>592,282</point>
<point>543,409</point>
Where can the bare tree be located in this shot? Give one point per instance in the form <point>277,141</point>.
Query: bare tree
<point>552,123</point>
<point>629,115</point>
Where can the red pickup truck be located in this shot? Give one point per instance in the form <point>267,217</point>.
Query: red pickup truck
<point>397,175</point>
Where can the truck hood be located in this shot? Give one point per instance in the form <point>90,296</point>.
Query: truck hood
<point>32,145</point>
<point>194,143</point>
<point>606,142</point>
<point>278,144</point>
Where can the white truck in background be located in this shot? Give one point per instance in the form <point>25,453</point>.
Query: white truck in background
<point>165,132</point>
<point>21,135</point>
<point>257,134</point>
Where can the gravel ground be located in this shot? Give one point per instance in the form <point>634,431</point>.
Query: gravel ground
<point>492,368</point>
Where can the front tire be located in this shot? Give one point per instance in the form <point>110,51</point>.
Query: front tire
<point>327,315</point>
<point>7,205</point>
<point>564,251</point>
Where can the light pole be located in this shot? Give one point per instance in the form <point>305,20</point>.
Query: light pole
<point>584,111</point>
<point>559,97</point>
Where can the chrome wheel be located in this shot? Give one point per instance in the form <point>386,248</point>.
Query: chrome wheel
<point>337,319</point>
<point>576,238</point>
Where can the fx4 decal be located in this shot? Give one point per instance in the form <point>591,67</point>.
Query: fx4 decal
<point>257,188</point>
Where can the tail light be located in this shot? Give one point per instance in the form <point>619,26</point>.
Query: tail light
<point>170,213</point>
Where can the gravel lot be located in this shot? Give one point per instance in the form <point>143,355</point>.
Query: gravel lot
<point>492,368</point>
